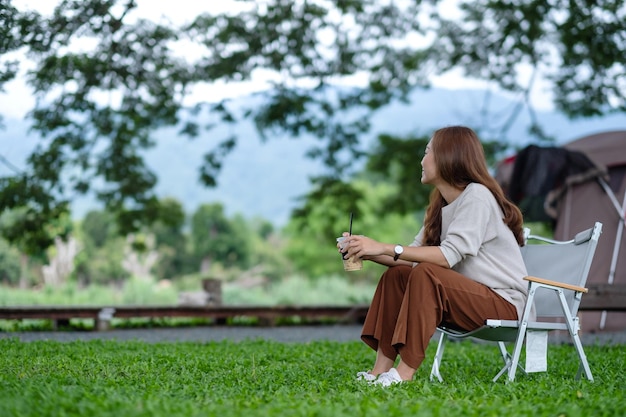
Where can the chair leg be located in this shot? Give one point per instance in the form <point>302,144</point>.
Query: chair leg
<point>584,365</point>
<point>506,358</point>
<point>434,372</point>
<point>517,351</point>
<point>572,325</point>
<point>521,334</point>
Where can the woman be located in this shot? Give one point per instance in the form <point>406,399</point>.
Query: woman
<point>463,267</point>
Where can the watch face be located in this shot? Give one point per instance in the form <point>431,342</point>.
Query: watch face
<point>397,251</point>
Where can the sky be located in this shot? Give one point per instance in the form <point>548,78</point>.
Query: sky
<point>17,98</point>
<point>178,11</point>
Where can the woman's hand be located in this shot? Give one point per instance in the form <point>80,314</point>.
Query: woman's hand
<point>362,246</point>
<point>382,253</point>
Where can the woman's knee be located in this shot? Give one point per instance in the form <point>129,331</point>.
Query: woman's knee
<point>395,277</point>
<point>396,272</point>
<point>424,271</point>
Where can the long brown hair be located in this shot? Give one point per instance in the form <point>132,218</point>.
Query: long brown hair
<point>460,160</point>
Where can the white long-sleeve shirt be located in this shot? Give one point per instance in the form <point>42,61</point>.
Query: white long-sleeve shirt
<point>478,244</point>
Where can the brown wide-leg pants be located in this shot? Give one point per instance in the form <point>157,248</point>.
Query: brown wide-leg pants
<point>409,304</point>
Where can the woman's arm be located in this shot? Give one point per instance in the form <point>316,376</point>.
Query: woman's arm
<point>383,253</point>
<point>386,260</point>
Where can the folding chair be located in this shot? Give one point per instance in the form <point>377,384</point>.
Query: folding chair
<point>558,273</point>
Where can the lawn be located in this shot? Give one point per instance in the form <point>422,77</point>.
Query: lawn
<point>266,378</point>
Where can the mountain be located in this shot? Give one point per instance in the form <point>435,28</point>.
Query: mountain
<point>265,179</point>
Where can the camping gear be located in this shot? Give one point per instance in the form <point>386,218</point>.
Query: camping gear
<point>572,186</point>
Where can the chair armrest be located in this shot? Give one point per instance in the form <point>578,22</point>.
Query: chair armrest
<point>556,284</point>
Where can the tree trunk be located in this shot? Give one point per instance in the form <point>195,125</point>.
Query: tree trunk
<point>23,271</point>
<point>205,264</point>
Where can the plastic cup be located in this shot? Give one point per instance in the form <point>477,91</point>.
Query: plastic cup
<point>350,264</point>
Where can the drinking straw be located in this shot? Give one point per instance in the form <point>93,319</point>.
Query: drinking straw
<point>350,231</point>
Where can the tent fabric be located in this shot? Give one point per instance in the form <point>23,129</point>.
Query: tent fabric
<point>605,148</point>
<point>564,186</point>
<point>584,203</point>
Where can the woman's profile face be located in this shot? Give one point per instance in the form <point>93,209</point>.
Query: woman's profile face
<point>429,168</point>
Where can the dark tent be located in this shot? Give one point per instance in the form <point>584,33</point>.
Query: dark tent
<point>573,186</point>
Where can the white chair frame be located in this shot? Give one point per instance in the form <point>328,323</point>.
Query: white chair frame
<point>569,291</point>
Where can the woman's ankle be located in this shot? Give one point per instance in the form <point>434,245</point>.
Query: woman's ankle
<point>405,371</point>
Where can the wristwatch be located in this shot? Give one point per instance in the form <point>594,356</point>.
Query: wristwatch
<point>397,251</point>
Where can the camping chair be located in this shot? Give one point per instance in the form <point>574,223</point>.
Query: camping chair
<point>557,276</point>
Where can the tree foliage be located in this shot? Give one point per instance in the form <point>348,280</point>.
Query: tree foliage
<point>171,241</point>
<point>9,264</point>
<point>578,47</point>
<point>105,81</point>
<point>215,238</point>
<point>181,244</point>
<point>101,253</point>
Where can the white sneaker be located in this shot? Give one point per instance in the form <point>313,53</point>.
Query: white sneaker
<point>388,378</point>
<point>365,376</point>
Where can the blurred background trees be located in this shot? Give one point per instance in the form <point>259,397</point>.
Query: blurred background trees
<point>105,80</point>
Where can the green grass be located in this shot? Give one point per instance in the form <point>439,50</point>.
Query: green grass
<point>264,378</point>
